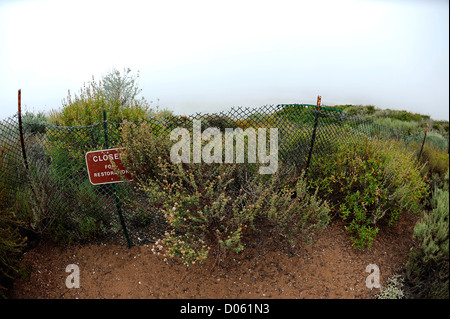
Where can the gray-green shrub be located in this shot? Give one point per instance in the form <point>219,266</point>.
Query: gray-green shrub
<point>217,206</point>
<point>427,268</point>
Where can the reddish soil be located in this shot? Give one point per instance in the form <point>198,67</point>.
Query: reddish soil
<point>328,268</point>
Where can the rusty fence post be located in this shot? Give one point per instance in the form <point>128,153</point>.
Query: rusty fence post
<point>313,137</point>
<point>22,141</point>
<point>423,143</point>
<point>38,204</point>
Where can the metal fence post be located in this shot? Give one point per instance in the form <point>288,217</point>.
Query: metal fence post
<point>116,198</point>
<point>29,179</point>
<point>22,142</point>
<point>313,137</point>
<point>423,143</point>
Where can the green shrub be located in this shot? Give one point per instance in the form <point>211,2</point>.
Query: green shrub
<point>32,123</point>
<point>194,201</point>
<point>78,213</point>
<point>369,183</point>
<point>151,142</point>
<point>77,207</point>
<point>437,140</point>
<point>359,110</point>
<point>288,205</point>
<point>11,244</point>
<point>58,199</point>
<point>410,127</point>
<point>406,116</point>
<point>216,206</point>
<point>11,241</point>
<point>428,265</point>
<point>436,126</point>
<point>393,288</point>
<point>115,93</point>
<point>436,163</point>
<point>205,210</point>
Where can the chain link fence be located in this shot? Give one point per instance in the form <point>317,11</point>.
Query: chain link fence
<point>46,178</point>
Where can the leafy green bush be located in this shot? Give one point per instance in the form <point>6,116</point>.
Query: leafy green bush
<point>436,163</point>
<point>55,197</point>
<point>369,183</point>
<point>359,110</point>
<point>11,241</point>
<point>427,268</point>
<point>205,209</point>
<point>289,206</point>
<point>406,116</point>
<point>11,244</point>
<point>410,127</point>
<point>59,198</point>
<point>115,93</point>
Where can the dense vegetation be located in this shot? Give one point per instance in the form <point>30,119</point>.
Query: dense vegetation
<point>218,206</point>
<point>428,265</point>
<point>369,183</point>
<point>216,209</point>
<point>115,93</point>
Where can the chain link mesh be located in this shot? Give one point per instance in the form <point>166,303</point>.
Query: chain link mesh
<point>56,186</point>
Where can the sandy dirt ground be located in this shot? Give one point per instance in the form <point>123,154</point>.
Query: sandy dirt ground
<point>330,268</point>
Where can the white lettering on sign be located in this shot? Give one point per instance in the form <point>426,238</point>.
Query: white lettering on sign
<point>105,166</point>
<point>109,173</point>
<point>106,157</point>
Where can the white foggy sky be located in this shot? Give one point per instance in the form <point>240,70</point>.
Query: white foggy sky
<point>206,56</point>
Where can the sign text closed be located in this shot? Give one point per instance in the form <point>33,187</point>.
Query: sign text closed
<point>101,169</point>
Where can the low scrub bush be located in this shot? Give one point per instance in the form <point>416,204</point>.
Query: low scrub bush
<point>407,128</point>
<point>438,141</point>
<point>427,268</point>
<point>436,163</point>
<point>393,289</point>
<point>66,205</point>
<point>116,93</point>
<point>214,207</point>
<point>405,116</point>
<point>11,245</point>
<point>369,183</point>
<point>11,241</point>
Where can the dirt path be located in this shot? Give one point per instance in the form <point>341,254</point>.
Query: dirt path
<point>329,268</point>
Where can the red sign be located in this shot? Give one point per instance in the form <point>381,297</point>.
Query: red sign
<point>101,169</point>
